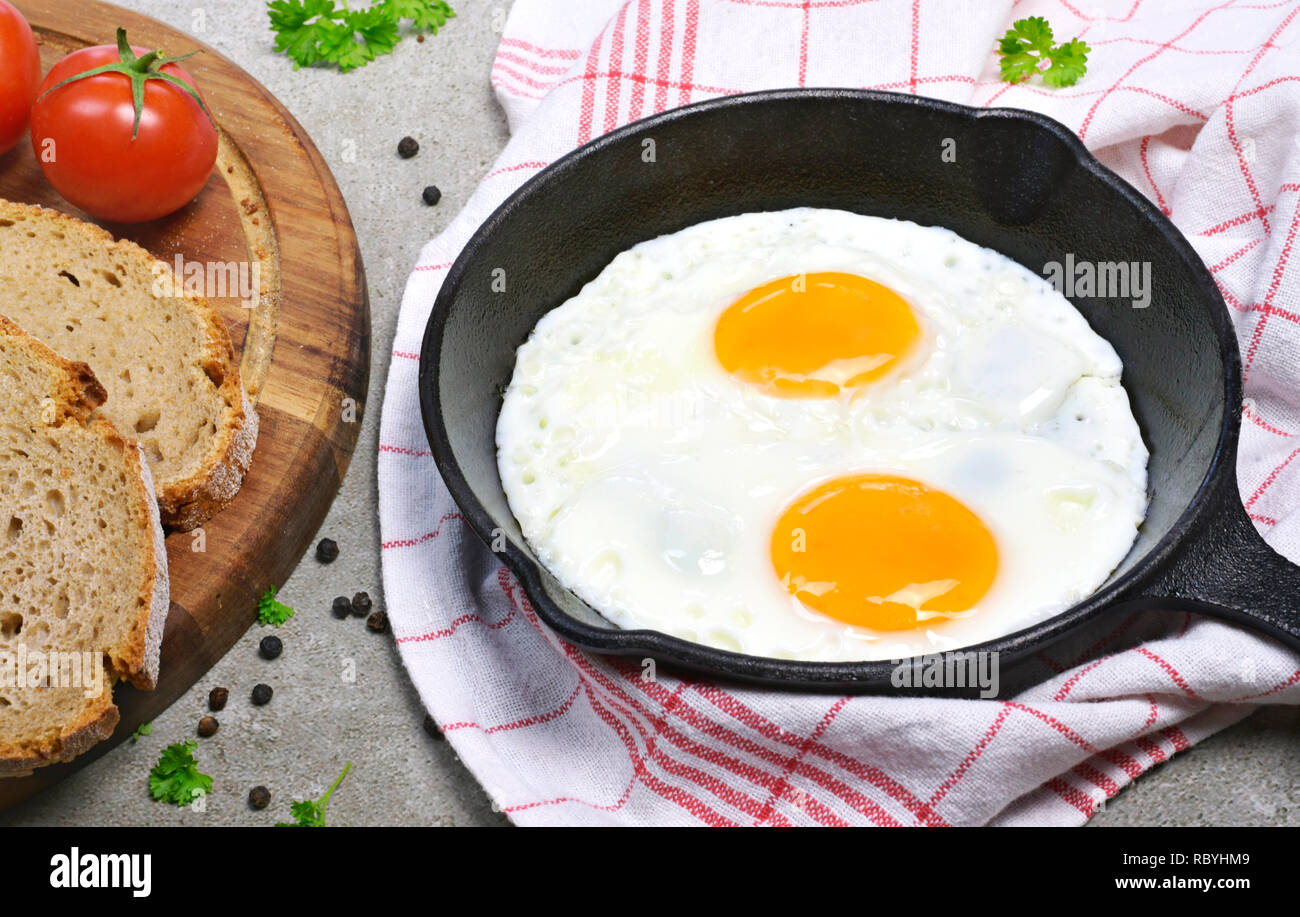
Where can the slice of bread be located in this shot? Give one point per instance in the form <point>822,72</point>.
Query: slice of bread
<point>83,569</point>
<point>166,360</point>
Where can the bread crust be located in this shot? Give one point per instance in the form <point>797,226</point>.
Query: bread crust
<point>188,505</point>
<point>79,395</point>
<point>139,661</point>
<point>183,503</point>
<point>95,724</point>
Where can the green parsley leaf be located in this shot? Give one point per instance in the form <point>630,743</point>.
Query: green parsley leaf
<point>297,24</point>
<point>176,777</point>
<point>1028,46</point>
<point>1069,62</point>
<point>269,611</point>
<point>1031,34</point>
<point>311,813</point>
<point>322,32</point>
<point>338,45</point>
<point>377,30</point>
<point>1016,68</point>
<point>425,15</point>
<point>143,729</point>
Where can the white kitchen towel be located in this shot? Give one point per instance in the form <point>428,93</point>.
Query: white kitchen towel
<point>1196,104</point>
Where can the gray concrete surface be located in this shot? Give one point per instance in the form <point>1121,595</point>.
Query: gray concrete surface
<point>438,92</point>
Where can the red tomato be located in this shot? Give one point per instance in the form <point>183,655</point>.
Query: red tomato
<point>20,72</point>
<point>82,135</point>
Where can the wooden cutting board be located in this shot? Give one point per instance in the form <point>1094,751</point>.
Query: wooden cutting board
<point>305,348</point>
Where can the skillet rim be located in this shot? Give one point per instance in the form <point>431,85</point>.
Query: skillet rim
<point>810,675</point>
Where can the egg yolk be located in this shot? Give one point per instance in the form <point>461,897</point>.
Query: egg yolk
<point>815,335</point>
<point>880,552</point>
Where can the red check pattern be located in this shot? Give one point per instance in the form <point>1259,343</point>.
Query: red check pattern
<point>1197,104</point>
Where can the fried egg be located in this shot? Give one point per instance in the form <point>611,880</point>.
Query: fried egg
<point>813,434</point>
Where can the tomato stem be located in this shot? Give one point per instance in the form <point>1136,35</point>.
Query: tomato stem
<point>140,70</point>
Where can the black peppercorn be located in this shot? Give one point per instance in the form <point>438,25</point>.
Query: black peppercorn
<point>327,550</point>
<point>432,195</point>
<point>208,726</point>
<point>262,695</point>
<point>217,698</point>
<point>431,727</point>
<point>407,147</point>
<point>342,607</point>
<point>259,797</point>
<point>361,604</point>
<point>270,647</point>
<point>378,622</point>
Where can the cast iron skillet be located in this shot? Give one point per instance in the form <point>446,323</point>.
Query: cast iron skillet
<point>1021,184</point>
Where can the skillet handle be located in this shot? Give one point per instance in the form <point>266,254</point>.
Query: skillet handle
<point>1223,568</point>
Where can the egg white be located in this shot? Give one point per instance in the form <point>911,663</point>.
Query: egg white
<point>649,480</point>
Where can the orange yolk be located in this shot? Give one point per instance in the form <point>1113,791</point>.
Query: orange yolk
<point>814,335</point>
<point>874,550</point>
